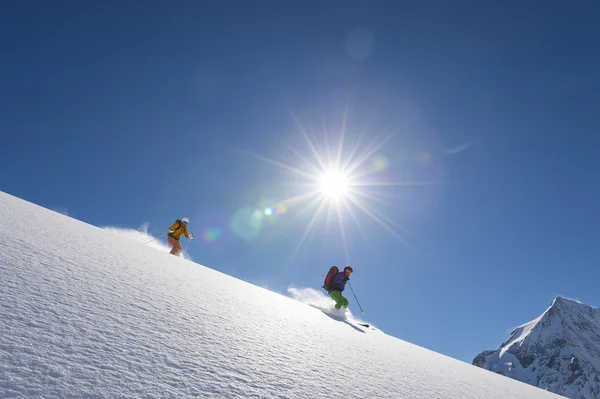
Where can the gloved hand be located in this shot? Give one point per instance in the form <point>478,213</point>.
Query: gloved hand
<point>191,235</point>
<point>171,230</point>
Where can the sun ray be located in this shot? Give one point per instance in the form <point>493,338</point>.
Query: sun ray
<point>343,234</point>
<point>281,165</point>
<point>308,141</point>
<point>327,145</point>
<point>370,196</point>
<point>338,159</point>
<point>300,198</point>
<point>330,207</point>
<point>378,220</point>
<point>395,183</point>
<point>353,216</point>
<point>382,216</point>
<point>382,198</point>
<point>369,153</point>
<point>308,229</point>
<point>352,153</point>
<point>301,158</point>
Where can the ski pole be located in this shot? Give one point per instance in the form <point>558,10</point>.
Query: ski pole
<point>186,247</point>
<point>154,239</point>
<point>361,309</point>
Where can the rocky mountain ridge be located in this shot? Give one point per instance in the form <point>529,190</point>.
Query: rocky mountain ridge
<point>559,351</point>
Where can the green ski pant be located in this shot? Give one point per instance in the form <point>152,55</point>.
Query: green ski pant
<point>339,299</point>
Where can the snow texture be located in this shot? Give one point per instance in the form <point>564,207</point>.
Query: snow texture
<point>86,313</point>
<point>558,351</point>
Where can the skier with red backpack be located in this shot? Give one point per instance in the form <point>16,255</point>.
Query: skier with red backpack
<point>335,282</point>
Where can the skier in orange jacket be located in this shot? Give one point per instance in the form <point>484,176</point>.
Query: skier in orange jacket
<point>178,229</point>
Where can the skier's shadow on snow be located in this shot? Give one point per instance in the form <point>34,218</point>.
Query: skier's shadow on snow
<point>338,318</point>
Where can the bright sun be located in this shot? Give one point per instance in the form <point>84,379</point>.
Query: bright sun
<point>335,185</point>
<point>339,181</point>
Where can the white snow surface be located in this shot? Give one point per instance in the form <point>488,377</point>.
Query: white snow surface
<point>88,314</point>
<point>558,351</point>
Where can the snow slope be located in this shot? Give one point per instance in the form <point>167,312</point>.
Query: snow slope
<point>88,313</point>
<point>558,351</point>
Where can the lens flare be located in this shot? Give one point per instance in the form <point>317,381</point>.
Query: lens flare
<point>380,163</point>
<point>211,234</point>
<point>280,209</point>
<point>247,223</point>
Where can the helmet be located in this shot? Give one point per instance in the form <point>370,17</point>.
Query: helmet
<point>348,268</point>
<point>185,220</point>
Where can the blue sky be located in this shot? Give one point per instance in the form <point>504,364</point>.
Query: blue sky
<point>142,113</point>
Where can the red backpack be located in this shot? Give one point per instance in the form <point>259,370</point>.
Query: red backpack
<point>333,270</point>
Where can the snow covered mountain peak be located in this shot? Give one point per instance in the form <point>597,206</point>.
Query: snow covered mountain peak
<point>87,313</point>
<point>561,303</point>
<point>558,351</point>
